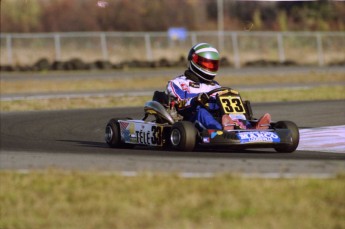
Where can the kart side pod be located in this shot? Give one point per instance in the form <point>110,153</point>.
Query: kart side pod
<point>155,108</point>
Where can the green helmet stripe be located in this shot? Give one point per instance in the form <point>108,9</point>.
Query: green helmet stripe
<point>197,46</point>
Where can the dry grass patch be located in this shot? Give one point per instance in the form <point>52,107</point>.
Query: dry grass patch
<point>82,85</point>
<point>53,199</point>
<point>151,83</point>
<point>306,94</point>
<point>318,93</point>
<point>136,83</point>
<point>74,103</point>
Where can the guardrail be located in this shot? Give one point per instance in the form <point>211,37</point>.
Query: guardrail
<point>317,48</point>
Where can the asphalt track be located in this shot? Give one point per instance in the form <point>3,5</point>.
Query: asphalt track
<point>74,140</point>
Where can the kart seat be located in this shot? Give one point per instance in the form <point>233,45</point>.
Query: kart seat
<point>161,97</point>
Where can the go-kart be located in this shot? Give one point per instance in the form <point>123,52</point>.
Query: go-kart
<point>162,126</point>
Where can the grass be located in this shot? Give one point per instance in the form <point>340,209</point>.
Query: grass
<point>56,199</point>
<point>26,86</point>
<point>75,103</point>
<point>128,84</point>
<point>316,93</point>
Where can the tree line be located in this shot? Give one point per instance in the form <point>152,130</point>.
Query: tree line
<point>18,16</point>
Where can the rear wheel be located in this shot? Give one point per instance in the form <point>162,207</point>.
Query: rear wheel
<point>113,135</point>
<point>183,136</point>
<point>288,148</point>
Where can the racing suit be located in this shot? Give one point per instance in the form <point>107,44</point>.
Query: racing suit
<point>185,89</point>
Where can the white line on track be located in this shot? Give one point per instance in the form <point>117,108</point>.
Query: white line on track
<point>206,175</point>
<point>326,139</point>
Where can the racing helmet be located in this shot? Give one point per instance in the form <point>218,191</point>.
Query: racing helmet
<point>203,60</point>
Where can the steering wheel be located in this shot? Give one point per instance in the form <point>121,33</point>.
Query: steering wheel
<point>218,90</point>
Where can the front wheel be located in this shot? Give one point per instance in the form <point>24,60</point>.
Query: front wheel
<point>288,148</point>
<point>183,136</point>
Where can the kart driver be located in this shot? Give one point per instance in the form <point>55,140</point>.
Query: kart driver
<point>190,91</point>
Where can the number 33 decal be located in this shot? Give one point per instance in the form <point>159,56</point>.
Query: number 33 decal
<point>232,105</point>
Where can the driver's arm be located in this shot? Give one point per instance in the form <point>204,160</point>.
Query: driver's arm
<point>187,101</point>
<point>174,89</point>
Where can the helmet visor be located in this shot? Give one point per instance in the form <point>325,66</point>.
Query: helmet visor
<point>207,64</point>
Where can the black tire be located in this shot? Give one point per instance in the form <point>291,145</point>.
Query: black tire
<point>183,136</point>
<point>113,135</point>
<point>288,148</point>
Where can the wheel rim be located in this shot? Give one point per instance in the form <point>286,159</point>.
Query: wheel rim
<point>175,137</point>
<point>108,134</point>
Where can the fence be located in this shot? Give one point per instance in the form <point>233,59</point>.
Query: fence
<point>318,48</point>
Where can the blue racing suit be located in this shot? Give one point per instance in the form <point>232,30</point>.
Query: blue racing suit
<point>186,91</point>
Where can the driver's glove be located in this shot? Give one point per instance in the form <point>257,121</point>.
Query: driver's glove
<point>202,98</point>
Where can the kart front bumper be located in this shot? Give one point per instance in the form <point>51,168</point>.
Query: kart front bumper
<point>250,138</point>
